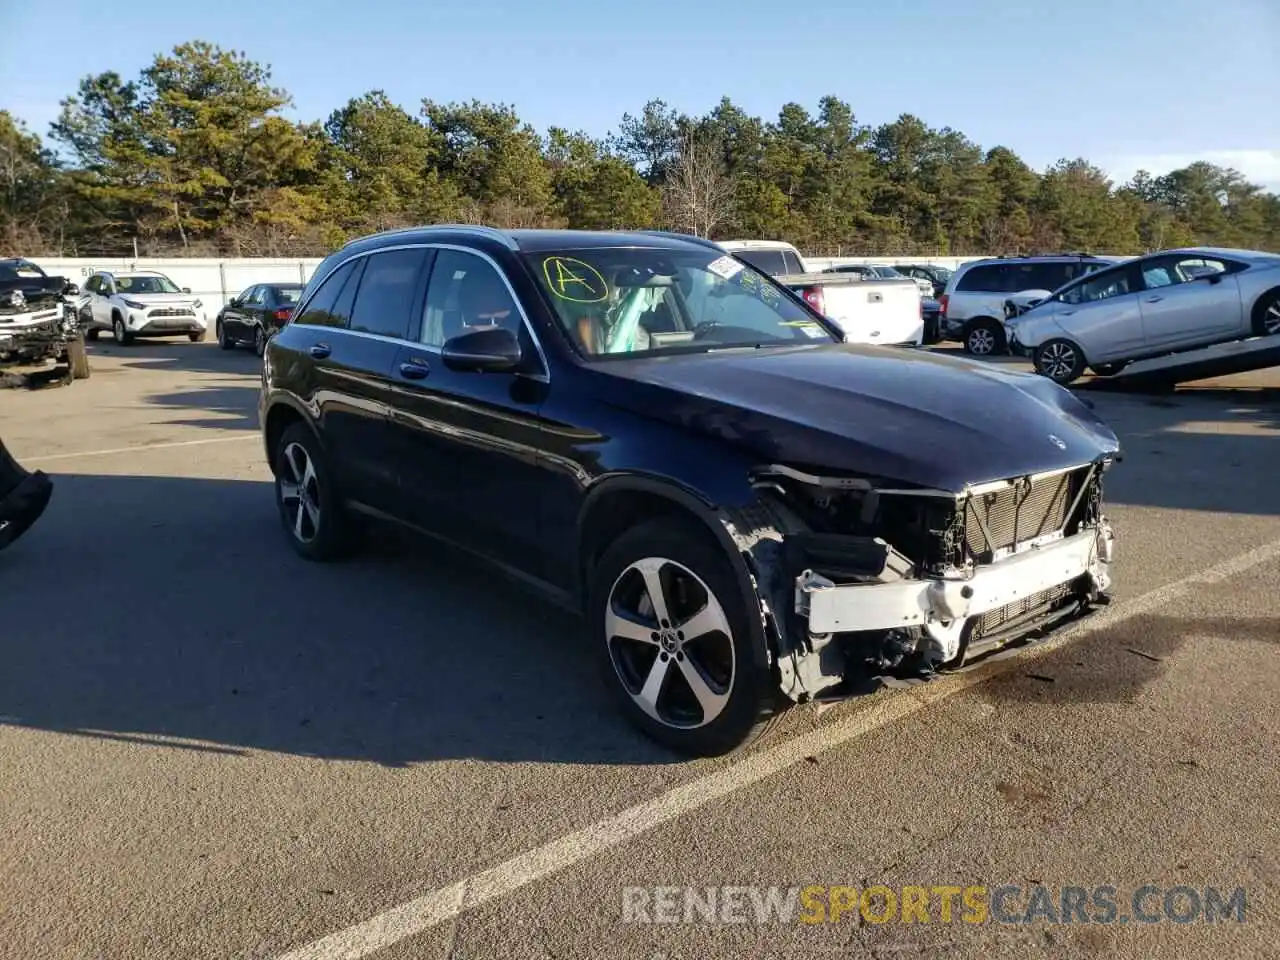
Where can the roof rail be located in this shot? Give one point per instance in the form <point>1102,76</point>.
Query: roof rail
<point>687,237</point>
<point>475,228</point>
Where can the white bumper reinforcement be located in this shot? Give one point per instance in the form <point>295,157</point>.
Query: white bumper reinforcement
<point>833,608</point>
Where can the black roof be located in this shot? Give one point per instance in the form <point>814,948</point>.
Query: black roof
<point>533,241</point>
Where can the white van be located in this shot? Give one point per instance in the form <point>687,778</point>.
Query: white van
<point>777,258</point>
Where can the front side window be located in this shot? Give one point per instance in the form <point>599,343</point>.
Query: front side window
<point>384,303</point>
<point>465,293</point>
<point>627,301</point>
<point>1100,286</point>
<point>146,284</point>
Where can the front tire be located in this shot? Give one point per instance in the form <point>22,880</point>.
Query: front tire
<point>689,668</point>
<point>1266,315</point>
<point>1060,360</point>
<point>317,524</point>
<point>985,338</point>
<point>121,335</point>
<point>224,341</point>
<point>197,336</point>
<point>77,359</point>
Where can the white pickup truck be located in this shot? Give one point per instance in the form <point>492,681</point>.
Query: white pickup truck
<point>881,311</point>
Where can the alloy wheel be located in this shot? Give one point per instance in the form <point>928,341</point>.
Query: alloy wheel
<point>1271,319</point>
<point>1058,360</point>
<point>300,492</point>
<point>981,341</point>
<point>670,643</point>
<point>259,342</point>
<point>117,330</point>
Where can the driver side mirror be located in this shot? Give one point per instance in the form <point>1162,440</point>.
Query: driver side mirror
<point>484,350</point>
<point>186,289</point>
<point>71,290</point>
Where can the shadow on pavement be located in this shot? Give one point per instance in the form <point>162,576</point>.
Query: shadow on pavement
<point>172,611</point>
<point>179,354</point>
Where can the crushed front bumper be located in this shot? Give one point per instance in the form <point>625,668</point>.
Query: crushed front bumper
<point>963,616</point>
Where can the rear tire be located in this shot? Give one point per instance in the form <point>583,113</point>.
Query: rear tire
<point>314,518</point>
<point>705,693</point>
<point>259,341</point>
<point>1060,360</point>
<point>985,338</point>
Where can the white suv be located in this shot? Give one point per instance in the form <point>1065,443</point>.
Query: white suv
<point>141,303</point>
<point>973,302</point>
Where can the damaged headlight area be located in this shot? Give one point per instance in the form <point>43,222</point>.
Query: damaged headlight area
<point>862,578</point>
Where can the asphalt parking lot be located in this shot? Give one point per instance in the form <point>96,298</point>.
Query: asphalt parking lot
<point>211,749</point>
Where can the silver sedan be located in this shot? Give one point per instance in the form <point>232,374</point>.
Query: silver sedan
<point>1166,302</point>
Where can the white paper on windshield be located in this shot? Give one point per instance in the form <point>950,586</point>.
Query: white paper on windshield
<point>725,267</point>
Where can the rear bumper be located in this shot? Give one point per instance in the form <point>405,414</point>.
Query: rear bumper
<point>832,608</point>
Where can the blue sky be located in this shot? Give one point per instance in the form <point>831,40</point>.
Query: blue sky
<point>1125,83</point>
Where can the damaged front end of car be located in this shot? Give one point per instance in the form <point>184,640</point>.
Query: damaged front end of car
<point>862,579</point>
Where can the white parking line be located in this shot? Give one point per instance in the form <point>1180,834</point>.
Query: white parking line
<point>445,903</point>
<point>140,447</point>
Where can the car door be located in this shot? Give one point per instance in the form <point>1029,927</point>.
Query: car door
<point>1102,314</point>
<point>233,314</point>
<point>100,299</point>
<point>468,443</point>
<point>1189,301</point>
<point>349,330</point>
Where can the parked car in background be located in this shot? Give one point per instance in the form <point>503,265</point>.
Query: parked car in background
<point>883,310</point>
<point>973,302</point>
<point>141,303</point>
<point>931,313</point>
<point>1167,302</point>
<point>936,275</point>
<point>881,271</point>
<point>774,257</point>
<point>747,511</point>
<point>256,314</point>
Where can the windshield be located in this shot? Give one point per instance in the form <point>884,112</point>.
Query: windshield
<point>147,284</point>
<point>642,301</point>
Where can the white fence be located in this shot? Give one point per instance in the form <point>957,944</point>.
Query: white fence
<point>213,281</point>
<point>216,281</point>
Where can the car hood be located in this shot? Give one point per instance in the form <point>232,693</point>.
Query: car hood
<point>888,413</point>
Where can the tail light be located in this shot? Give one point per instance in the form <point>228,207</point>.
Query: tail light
<point>813,297</point>
<point>283,314</point>
<point>942,305</point>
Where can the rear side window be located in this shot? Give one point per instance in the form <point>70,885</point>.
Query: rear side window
<point>766,261</point>
<point>322,310</point>
<point>792,262</point>
<point>1048,276</point>
<point>990,278</point>
<point>388,292</point>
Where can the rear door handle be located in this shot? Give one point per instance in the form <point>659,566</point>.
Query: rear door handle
<point>1154,299</point>
<point>320,350</point>
<point>415,369</point>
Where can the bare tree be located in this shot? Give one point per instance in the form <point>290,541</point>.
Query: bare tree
<point>697,194</point>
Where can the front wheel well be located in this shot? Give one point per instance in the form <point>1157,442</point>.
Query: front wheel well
<point>614,513</point>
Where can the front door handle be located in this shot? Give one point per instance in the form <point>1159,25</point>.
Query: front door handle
<point>320,350</point>
<point>415,369</point>
<point>1154,299</point>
